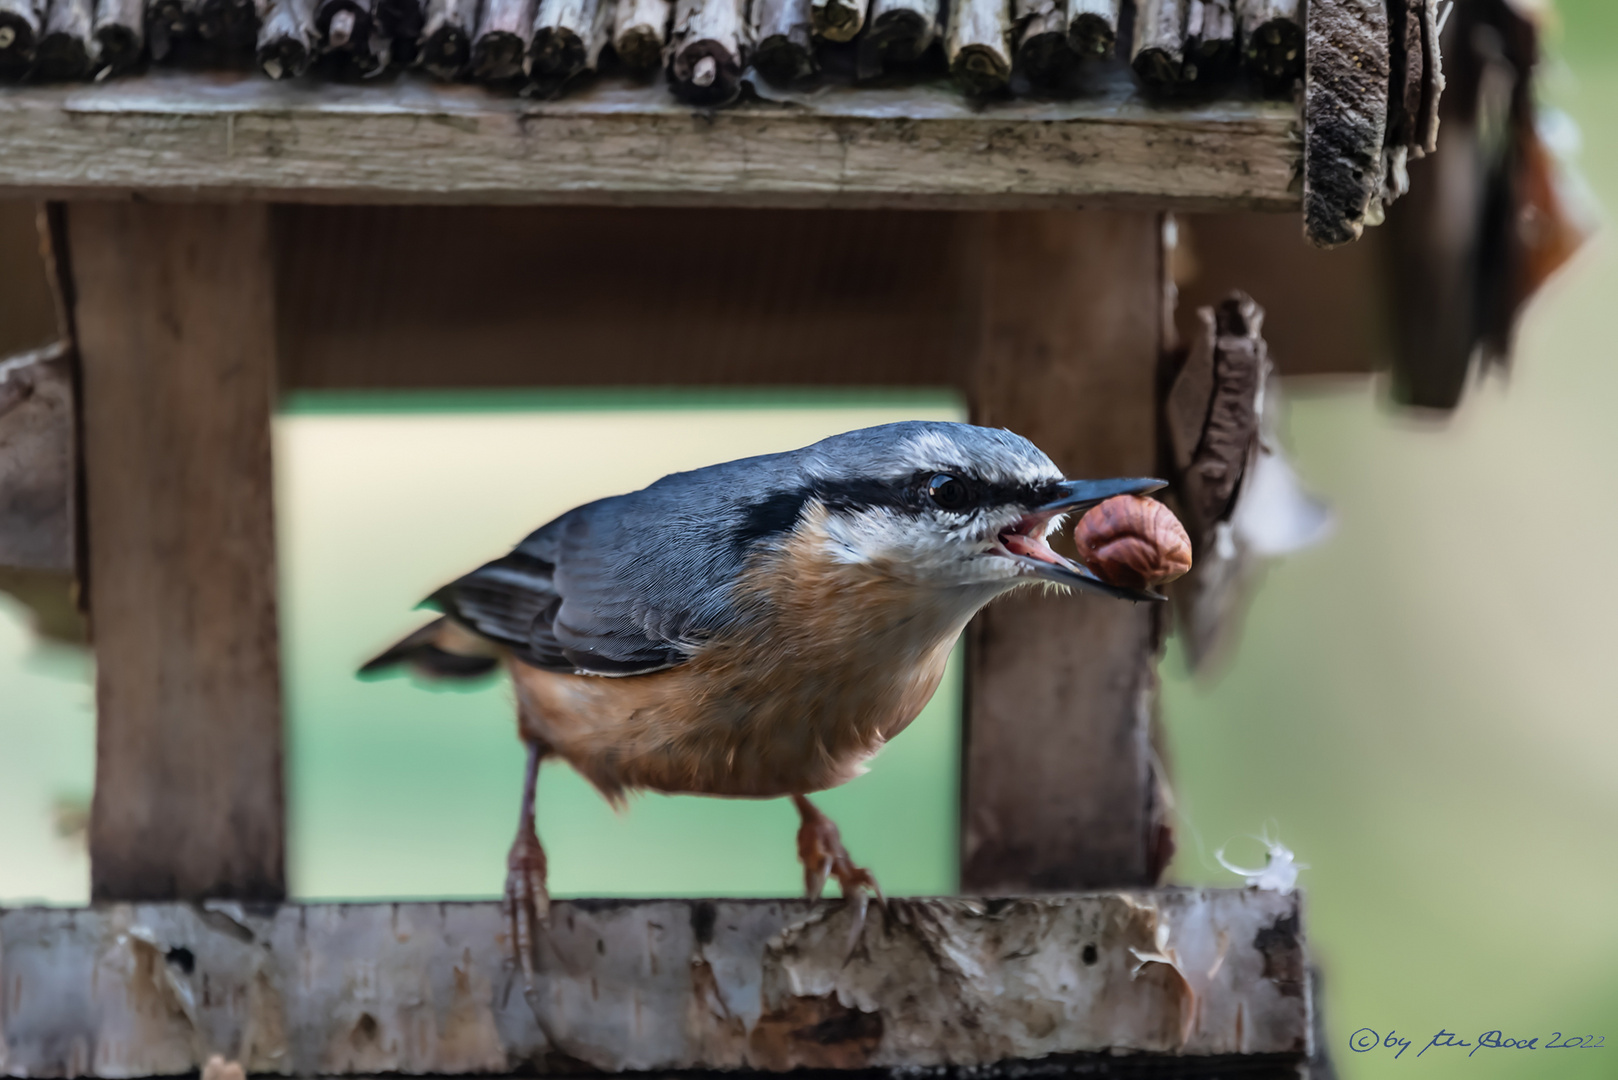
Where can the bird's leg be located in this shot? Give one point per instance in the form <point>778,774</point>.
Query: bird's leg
<point>820,849</point>
<point>528,903</point>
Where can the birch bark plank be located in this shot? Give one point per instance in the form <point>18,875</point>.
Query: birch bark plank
<point>647,987</point>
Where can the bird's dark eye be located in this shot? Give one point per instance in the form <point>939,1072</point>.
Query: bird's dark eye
<point>949,492</point>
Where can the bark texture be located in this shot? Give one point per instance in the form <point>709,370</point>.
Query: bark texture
<point>1345,117</point>
<point>1196,982</point>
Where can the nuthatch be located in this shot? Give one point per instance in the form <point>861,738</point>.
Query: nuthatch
<point>756,629</point>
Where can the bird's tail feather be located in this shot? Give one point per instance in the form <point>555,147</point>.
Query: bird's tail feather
<point>442,650</point>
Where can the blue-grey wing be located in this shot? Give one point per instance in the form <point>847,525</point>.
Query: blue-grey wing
<point>623,586</point>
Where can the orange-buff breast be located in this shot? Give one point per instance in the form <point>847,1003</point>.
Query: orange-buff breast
<point>832,661</point>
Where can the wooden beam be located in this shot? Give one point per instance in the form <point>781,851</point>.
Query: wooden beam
<point>218,135</point>
<point>1058,775</point>
<point>174,315</point>
<point>1176,983</point>
<point>797,298</point>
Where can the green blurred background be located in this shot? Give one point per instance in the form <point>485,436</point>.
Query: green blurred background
<point>1423,708</point>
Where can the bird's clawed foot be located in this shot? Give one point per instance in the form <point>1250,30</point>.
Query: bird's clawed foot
<point>821,850</point>
<point>528,902</point>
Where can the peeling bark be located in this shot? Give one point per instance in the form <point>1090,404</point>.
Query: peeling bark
<point>1197,978</point>
<point>1345,117</point>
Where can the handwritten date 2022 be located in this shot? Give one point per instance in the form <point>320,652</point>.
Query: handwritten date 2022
<point>1365,1040</point>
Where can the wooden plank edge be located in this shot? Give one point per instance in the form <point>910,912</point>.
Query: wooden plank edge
<point>132,990</point>
<point>414,141</point>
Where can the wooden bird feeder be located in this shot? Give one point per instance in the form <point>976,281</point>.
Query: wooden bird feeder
<point>216,235</point>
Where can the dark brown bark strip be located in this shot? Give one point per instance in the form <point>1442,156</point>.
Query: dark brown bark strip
<point>1345,117</point>
<point>176,338</point>
<point>1432,90</point>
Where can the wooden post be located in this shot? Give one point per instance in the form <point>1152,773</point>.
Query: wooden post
<point>174,318</point>
<point>1058,784</point>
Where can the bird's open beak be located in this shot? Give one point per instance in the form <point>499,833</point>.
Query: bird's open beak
<point>1025,540</point>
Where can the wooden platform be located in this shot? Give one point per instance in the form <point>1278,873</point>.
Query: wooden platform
<point>1187,981</point>
<point>214,136</point>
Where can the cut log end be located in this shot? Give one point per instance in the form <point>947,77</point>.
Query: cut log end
<point>706,72</point>
<point>445,51</point>
<point>640,48</point>
<point>497,56</point>
<point>1092,35</point>
<point>283,58</point>
<point>1275,53</point>
<point>218,20</point>
<point>837,20</point>
<point>981,70</point>
<point>341,29</point>
<point>557,53</point>
<point>900,35</point>
<point>782,60</point>
<point>17,39</point>
<point>1159,69</point>
<point>120,45</point>
<point>62,58</point>
<point>1045,57</point>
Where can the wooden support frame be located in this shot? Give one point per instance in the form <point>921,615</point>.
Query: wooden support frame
<point>1064,322</point>
<point>1058,777</point>
<point>1174,983</point>
<point>176,338</point>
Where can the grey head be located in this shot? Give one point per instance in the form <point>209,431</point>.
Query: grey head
<point>939,504</point>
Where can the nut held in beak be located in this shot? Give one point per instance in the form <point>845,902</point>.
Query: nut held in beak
<point>1133,541</point>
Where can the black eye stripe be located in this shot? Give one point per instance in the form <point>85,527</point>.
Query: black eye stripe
<point>778,513</point>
